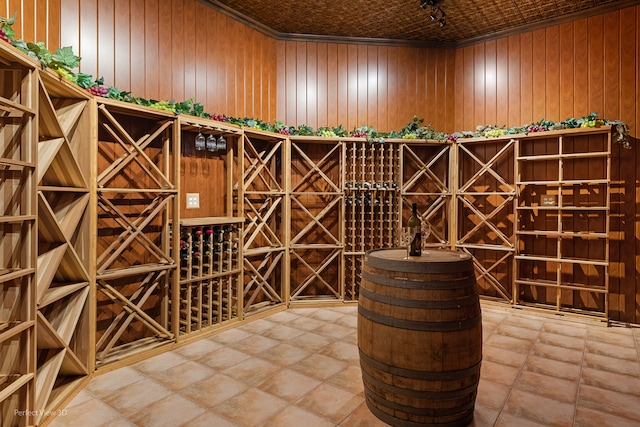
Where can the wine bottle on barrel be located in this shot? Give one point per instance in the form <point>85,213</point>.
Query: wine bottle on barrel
<point>415,247</point>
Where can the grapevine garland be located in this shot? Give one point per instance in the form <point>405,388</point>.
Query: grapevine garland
<point>63,61</point>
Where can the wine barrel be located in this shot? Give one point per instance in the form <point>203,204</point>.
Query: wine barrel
<point>419,337</point>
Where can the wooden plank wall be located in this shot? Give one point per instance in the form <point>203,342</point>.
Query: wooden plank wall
<point>160,49</point>
<point>328,84</point>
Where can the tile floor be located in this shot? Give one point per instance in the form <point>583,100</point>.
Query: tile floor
<point>300,367</point>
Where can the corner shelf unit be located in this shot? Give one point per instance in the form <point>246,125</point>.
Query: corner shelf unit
<point>18,237</point>
<point>210,273</point>
<point>562,222</point>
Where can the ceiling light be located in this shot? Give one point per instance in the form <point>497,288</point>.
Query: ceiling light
<point>435,13</point>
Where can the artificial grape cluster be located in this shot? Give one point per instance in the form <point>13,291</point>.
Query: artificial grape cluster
<point>328,134</point>
<point>163,105</point>
<point>359,134</point>
<point>218,117</point>
<point>98,91</point>
<point>3,36</point>
<point>409,136</point>
<point>495,132</point>
<point>284,131</point>
<point>536,128</point>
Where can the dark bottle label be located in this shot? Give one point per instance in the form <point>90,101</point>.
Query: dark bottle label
<point>416,245</point>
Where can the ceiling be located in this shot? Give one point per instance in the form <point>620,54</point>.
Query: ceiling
<point>404,21</point>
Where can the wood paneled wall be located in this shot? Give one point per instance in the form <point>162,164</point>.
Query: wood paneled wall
<point>160,49</point>
<point>328,84</point>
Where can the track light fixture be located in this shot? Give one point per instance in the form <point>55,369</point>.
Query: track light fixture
<point>435,13</point>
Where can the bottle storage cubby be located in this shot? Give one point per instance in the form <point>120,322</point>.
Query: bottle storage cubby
<point>562,218</point>
<point>18,238</point>
<point>210,271</point>
<point>484,202</point>
<point>137,169</point>
<point>371,204</point>
<point>261,199</point>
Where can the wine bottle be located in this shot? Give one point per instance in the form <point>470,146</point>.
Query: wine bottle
<point>415,248</point>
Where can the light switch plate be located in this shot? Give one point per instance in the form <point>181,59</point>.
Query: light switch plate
<point>193,200</point>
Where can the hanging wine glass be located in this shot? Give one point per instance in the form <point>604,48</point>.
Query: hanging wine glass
<point>211,143</point>
<point>200,142</point>
<point>222,144</point>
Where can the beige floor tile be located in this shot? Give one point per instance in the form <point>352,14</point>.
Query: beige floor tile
<point>586,417</point>
<point>606,349</point>
<point>183,375</point>
<point>209,419</point>
<point>327,315</point>
<point>284,354</point>
<point>539,409</point>
<point>230,336</point>
<point>105,384</point>
<point>575,330</point>
<point>349,320</point>
<point>292,416</point>
<point>351,339</point>
<point>608,380</point>
<point>342,351</point>
<point>330,401</point>
<point>612,364</point>
<point>312,342</point>
<point>544,385</point>
<point>198,349</point>
<point>81,397</point>
<point>484,416</point>
<point>517,331</point>
<point>255,344</point>
<point>252,371</point>
<point>498,373</point>
<point>615,336</point>
<point>503,356</point>
<point>553,352</point>
<point>333,331</point>
<point>138,395</point>
<point>223,358</point>
<point>525,321</point>
<point>214,390</point>
<point>289,385</point>
<point>320,366</point>
<point>251,407</point>
<point>173,410</point>
<point>307,323</point>
<point>563,341</point>
<point>283,333</point>
<point>362,417</point>
<point>492,394</point>
<point>610,402</point>
<point>257,327</point>
<point>160,363</point>
<point>510,420</point>
<point>553,368</point>
<point>288,317</point>
<point>89,413</point>
<point>348,379</point>
<point>510,343</point>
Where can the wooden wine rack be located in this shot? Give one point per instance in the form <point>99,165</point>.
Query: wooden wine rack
<point>316,218</point>
<point>562,222</point>
<point>261,199</point>
<point>137,200</point>
<point>65,230</point>
<point>18,238</point>
<point>210,272</point>
<point>484,193</point>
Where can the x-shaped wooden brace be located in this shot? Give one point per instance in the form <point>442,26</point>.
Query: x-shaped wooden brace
<point>258,223</point>
<point>132,230</point>
<point>484,219</point>
<point>261,280</point>
<point>315,168</point>
<point>431,209</point>
<point>315,273</point>
<point>425,169</point>
<point>485,272</point>
<point>131,310</point>
<point>487,167</point>
<point>316,221</point>
<point>258,165</point>
<point>133,149</point>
